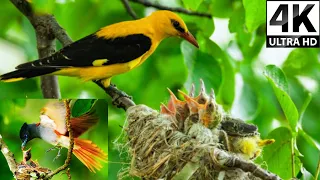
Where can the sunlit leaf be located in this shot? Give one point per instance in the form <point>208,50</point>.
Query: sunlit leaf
<point>237,20</point>
<point>255,13</point>
<point>279,83</point>
<point>301,62</point>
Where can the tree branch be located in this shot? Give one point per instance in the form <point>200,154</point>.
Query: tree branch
<point>9,156</point>
<point>179,10</point>
<point>119,98</point>
<point>71,145</point>
<point>45,45</point>
<point>129,9</point>
<point>231,161</point>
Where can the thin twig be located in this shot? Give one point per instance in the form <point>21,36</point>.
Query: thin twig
<point>45,45</point>
<point>174,9</point>
<point>129,9</point>
<point>9,156</point>
<point>71,145</point>
<point>68,174</point>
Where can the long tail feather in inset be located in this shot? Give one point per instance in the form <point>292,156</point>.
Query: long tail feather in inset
<point>89,154</point>
<point>21,74</point>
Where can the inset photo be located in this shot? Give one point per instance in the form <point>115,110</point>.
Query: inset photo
<point>43,138</point>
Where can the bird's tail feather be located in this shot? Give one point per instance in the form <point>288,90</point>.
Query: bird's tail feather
<point>89,154</point>
<point>21,74</point>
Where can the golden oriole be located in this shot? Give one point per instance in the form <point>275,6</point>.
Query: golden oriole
<point>110,51</point>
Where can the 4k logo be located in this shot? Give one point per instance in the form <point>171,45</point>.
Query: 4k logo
<point>293,23</point>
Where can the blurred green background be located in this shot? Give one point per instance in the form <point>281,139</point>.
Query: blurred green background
<point>232,59</point>
<point>13,113</point>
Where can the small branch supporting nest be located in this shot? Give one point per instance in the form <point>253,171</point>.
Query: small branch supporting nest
<point>9,156</point>
<point>71,145</point>
<point>230,162</point>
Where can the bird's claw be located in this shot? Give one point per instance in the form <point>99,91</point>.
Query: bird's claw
<point>53,148</point>
<point>58,155</point>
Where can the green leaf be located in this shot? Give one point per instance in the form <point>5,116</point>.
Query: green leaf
<point>227,88</point>
<point>249,102</point>
<point>237,20</point>
<point>221,9</point>
<point>307,139</point>
<point>82,106</point>
<point>279,83</point>
<point>301,61</point>
<point>200,24</point>
<point>310,150</point>
<point>305,105</point>
<point>305,175</point>
<point>206,26</point>
<point>197,63</point>
<point>192,4</point>
<point>20,102</point>
<point>278,155</point>
<point>255,13</point>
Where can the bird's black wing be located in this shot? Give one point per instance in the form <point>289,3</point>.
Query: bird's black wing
<point>88,49</point>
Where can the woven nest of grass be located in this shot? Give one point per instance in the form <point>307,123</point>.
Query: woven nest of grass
<point>31,171</point>
<point>185,140</point>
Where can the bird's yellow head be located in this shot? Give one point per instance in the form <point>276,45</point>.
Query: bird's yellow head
<point>172,25</point>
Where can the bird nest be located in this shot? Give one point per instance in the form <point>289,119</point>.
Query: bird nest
<point>31,170</point>
<point>190,139</point>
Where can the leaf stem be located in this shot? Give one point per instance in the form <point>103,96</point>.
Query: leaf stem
<point>292,156</point>
<point>318,170</point>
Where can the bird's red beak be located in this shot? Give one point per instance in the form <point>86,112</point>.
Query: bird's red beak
<point>189,37</point>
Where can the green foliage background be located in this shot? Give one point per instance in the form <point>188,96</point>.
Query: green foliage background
<point>270,96</point>
<point>13,113</point>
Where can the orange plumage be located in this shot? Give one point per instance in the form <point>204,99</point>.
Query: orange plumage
<point>89,154</point>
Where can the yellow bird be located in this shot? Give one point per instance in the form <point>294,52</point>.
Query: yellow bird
<point>248,147</point>
<point>112,50</point>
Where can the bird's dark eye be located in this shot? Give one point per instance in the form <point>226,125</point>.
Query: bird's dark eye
<point>26,136</point>
<point>177,26</point>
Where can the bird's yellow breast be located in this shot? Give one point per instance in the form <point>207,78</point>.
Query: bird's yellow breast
<point>100,72</point>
